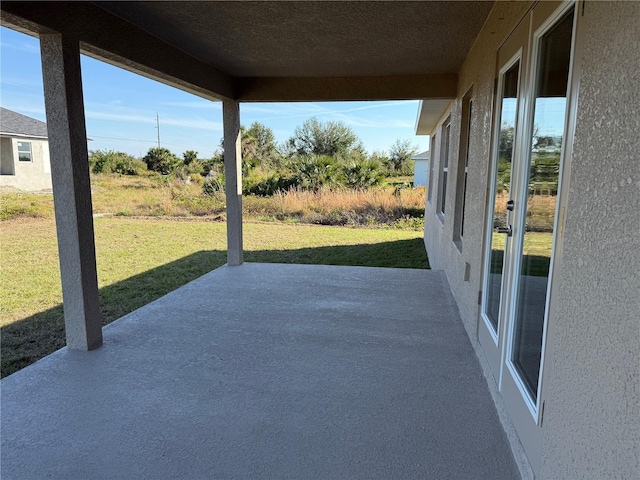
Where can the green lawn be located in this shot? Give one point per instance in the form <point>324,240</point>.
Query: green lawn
<point>140,260</point>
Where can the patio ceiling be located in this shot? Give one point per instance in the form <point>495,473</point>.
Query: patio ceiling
<point>273,51</point>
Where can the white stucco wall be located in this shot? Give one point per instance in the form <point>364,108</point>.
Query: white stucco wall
<point>592,385</point>
<point>591,376</point>
<point>28,176</point>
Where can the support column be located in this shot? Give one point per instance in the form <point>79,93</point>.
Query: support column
<point>71,190</point>
<point>233,180</point>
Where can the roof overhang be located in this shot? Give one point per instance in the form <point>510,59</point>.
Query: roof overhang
<point>429,112</point>
<point>22,135</point>
<point>273,51</point>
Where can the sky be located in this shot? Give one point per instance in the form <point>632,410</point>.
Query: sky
<point>121,108</point>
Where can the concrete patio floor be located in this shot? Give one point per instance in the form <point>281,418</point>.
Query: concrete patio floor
<point>266,371</point>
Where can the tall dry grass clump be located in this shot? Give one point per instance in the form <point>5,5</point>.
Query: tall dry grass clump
<point>153,195</point>
<point>388,206</point>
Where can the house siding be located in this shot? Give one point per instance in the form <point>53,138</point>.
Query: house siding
<point>420,173</point>
<point>28,176</point>
<point>591,373</point>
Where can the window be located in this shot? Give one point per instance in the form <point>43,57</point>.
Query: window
<point>24,152</point>
<point>432,163</point>
<point>444,165</point>
<point>463,168</point>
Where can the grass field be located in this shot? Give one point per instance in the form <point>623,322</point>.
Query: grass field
<point>140,260</point>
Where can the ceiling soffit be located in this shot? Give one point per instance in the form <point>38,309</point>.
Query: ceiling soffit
<point>314,39</point>
<point>273,51</point>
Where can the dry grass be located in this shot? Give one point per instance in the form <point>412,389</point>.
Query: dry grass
<point>17,204</point>
<point>155,196</point>
<point>356,200</point>
<point>151,196</point>
<point>344,207</point>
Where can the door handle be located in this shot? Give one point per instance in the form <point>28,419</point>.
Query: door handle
<point>506,230</point>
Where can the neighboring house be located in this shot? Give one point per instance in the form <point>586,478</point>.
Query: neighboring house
<point>24,154</point>
<point>546,284</point>
<point>420,169</point>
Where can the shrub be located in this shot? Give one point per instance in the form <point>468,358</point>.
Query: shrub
<point>108,161</point>
<point>314,172</point>
<point>196,166</point>
<point>268,186</point>
<point>161,160</point>
<point>196,178</point>
<point>363,174</point>
<point>213,185</point>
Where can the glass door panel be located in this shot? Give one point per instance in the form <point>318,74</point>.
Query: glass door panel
<point>536,225</point>
<point>512,57</point>
<point>534,67</point>
<point>502,186</point>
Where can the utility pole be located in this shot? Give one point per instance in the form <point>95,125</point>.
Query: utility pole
<point>158,127</point>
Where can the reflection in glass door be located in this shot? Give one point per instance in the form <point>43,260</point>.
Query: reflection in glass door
<point>510,75</point>
<point>501,187</point>
<point>538,201</point>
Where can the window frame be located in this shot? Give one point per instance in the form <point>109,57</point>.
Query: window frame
<point>432,166</point>
<point>20,153</point>
<point>443,177</point>
<point>463,167</point>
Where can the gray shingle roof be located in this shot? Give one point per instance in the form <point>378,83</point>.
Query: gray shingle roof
<point>17,124</point>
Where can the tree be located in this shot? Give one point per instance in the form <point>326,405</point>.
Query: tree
<point>161,160</point>
<point>265,142</point>
<point>400,155</point>
<point>257,147</point>
<point>379,156</point>
<point>189,156</point>
<point>506,142</point>
<point>334,139</point>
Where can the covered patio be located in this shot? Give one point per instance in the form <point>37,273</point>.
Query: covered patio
<point>266,371</point>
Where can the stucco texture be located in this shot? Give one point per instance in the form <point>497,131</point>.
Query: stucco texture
<point>478,73</point>
<point>592,412</point>
<point>591,387</point>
